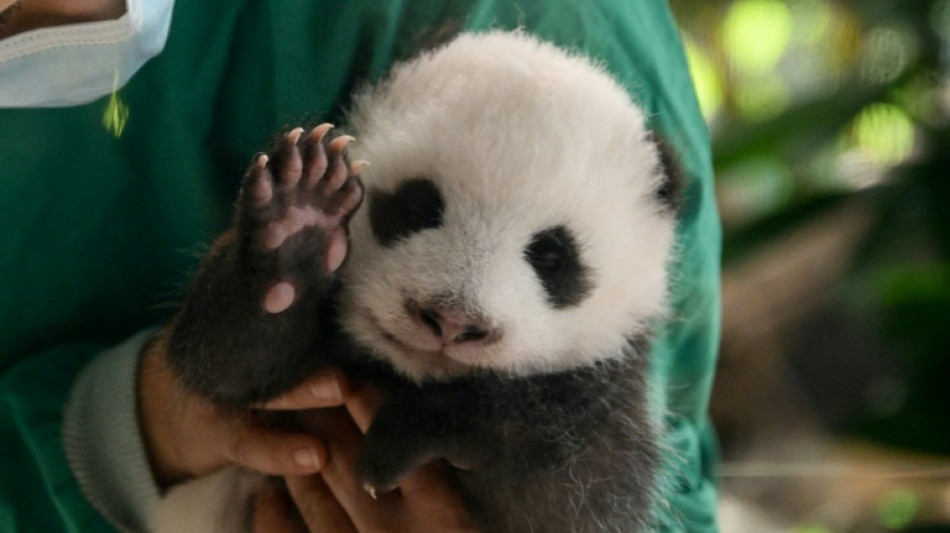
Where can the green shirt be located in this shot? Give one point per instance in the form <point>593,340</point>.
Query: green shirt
<point>105,214</point>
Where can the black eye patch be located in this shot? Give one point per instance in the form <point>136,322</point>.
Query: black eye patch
<point>555,258</point>
<point>414,206</point>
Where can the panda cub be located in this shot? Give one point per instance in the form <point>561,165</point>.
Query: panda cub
<point>505,262</point>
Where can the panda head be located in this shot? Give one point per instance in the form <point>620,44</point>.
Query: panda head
<point>515,217</point>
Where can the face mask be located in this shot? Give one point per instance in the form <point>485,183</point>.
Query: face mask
<point>78,63</point>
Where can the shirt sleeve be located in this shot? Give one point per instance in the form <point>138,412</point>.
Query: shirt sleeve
<point>102,440</point>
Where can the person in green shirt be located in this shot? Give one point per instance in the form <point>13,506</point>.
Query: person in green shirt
<point>104,198</point>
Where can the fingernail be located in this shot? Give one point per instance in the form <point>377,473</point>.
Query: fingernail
<point>307,458</point>
<point>328,391</point>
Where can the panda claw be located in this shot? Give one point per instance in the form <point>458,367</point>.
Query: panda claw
<point>294,135</point>
<point>357,166</point>
<point>337,145</point>
<point>259,183</point>
<point>458,464</point>
<point>376,492</point>
<point>292,167</point>
<point>371,490</point>
<point>336,176</point>
<point>318,133</point>
<point>315,158</point>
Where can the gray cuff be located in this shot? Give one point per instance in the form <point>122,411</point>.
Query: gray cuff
<point>102,439</point>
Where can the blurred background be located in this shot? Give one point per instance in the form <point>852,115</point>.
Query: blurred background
<point>830,122</point>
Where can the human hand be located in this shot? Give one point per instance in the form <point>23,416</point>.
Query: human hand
<point>187,436</point>
<point>334,500</point>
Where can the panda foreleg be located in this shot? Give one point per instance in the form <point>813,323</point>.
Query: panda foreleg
<point>260,304</point>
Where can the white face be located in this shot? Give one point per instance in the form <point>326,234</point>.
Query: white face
<point>511,221</point>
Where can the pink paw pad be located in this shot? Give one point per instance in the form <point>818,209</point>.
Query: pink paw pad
<point>279,297</point>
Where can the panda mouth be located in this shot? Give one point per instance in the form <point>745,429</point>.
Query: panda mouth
<point>402,345</point>
<point>437,361</point>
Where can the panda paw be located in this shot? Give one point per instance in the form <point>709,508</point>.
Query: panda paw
<point>293,208</point>
<point>405,436</point>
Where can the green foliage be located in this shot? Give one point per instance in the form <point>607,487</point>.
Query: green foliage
<point>898,509</point>
<point>815,105</point>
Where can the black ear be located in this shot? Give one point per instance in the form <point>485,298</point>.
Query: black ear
<point>670,191</point>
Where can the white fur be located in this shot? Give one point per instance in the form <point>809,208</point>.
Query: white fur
<point>220,502</point>
<point>519,136</point>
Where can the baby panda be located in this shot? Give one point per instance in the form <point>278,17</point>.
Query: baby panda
<point>498,270</point>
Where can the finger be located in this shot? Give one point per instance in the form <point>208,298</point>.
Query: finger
<point>276,453</point>
<point>271,514</point>
<point>363,404</point>
<point>328,388</point>
<point>430,495</point>
<point>318,506</point>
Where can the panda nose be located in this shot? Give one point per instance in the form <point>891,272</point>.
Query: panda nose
<point>452,327</point>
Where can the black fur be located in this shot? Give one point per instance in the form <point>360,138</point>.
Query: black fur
<point>564,452</point>
<point>670,191</point>
<point>225,347</point>
<point>556,258</point>
<point>222,343</point>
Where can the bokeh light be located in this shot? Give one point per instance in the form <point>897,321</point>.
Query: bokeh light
<point>898,509</point>
<point>706,80</point>
<point>756,33</point>
<point>886,53</point>
<point>884,134</point>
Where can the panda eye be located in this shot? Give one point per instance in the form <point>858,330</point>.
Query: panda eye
<point>554,255</point>
<point>414,206</point>
<point>547,254</point>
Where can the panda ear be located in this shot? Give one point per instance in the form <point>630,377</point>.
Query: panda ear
<point>670,190</point>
